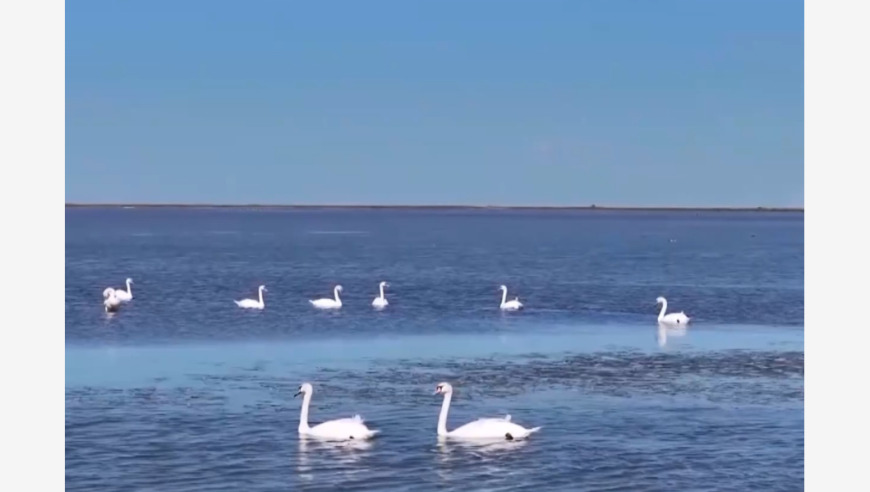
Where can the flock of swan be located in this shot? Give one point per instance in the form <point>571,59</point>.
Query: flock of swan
<point>354,428</point>
<point>113,299</point>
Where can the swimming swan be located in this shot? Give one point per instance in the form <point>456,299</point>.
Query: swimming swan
<point>253,303</point>
<point>511,305</point>
<point>671,318</point>
<point>381,302</point>
<point>336,430</point>
<point>327,303</point>
<point>485,428</point>
<point>111,303</point>
<point>125,295</point>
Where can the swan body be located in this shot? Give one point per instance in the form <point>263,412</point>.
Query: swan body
<point>253,303</point>
<point>381,302</point>
<point>327,303</point>
<point>512,305</point>
<point>111,303</point>
<point>125,295</point>
<point>484,428</point>
<point>333,430</point>
<point>670,318</point>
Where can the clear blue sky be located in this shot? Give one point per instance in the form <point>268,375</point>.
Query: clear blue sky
<point>574,102</point>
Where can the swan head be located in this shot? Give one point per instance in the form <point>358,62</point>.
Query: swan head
<point>109,291</point>
<point>339,288</point>
<point>304,389</point>
<point>129,280</point>
<point>384,284</point>
<point>502,287</point>
<point>263,288</point>
<point>660,300</point>
<point>443,389</point>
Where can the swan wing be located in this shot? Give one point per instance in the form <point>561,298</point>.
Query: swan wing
<point>322,303</point>
<point>675,318</point>
<point>347,428</point>
<point>514,304</point>
<point>248,303</point>
<point>490,428</point>
<point>111,303</point>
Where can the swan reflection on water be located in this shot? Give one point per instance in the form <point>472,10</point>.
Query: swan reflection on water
<point>665,330</point>
<point>333,456</point>
<point>478,447</point>
<point>454,454</point>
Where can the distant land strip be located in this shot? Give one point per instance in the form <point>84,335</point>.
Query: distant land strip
<point>437,207</point>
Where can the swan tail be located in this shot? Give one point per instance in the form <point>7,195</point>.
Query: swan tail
<point>533,430</point>
<point>507,418</point>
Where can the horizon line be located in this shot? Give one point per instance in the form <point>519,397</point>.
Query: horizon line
<point>437,207</point>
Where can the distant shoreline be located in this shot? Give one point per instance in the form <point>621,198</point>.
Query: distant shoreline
<point>439,207</point>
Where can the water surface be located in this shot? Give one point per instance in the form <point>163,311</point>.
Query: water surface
<point>183,391</point>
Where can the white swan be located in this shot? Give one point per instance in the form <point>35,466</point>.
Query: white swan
<point>111,303</point>
<point>381,302</point>
<point>327,303</point>
<point>336,430</point>
<point>125,295</point>
<point>671,318</point>
<point>511,305</point>
<point>253,303</point>
<point>485,428</point>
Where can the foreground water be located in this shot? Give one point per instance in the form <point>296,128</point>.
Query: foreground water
<point>183,391</point>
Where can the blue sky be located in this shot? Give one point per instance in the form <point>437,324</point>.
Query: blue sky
<point>616,102</point>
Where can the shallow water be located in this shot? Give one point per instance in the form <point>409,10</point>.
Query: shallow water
<point>183,391</point>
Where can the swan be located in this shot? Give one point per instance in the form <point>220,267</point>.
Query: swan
<point>125,295</point>
<point>327,303</point>
<point>111,303</point>
<point>381,302</point>
<point>485,428</point>
<point>335,430</point>
<point>511,305</point>
<point>253,303</point>
<point>670,318</point>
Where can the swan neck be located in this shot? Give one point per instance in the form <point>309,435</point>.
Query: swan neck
<point>129,289</point>
<point>336,295</point>
<point>382,291</point>
<point>664,308</point>
<point>503,296</point>
<point>261,298</point>
<point>442,418</point>
<point>303,417</point>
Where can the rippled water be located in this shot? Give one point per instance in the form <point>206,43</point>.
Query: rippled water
<point>183,391</point>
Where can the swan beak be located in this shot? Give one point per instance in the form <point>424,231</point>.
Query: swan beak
<point>297,394</point>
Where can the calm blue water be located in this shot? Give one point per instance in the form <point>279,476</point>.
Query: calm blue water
<point>184,391</point>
